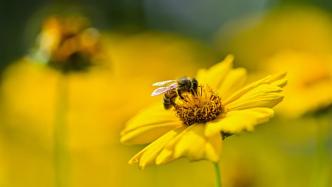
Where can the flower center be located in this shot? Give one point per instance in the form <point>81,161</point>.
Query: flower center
<point>201,107</point>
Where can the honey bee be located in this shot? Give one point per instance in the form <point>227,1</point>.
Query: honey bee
<point>169,99</point>
<point>173,88</point>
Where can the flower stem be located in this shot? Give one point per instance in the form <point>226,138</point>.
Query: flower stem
<point>322,159</point>
<point>61,165</point>
<point>217,174</point>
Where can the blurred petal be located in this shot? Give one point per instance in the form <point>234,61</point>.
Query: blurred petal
<point>149,124</point>
<point>233,81</point>
<point>216,74</point>
<point>278,80</point>
<point>310,75</point>
<point>239,120</point>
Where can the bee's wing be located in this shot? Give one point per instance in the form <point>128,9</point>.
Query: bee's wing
<point>162,90</point>
<point>163,83</point>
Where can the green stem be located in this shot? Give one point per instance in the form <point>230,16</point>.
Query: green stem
<point>61,165</point>
<point>322,162</point>
<point>217,174</point>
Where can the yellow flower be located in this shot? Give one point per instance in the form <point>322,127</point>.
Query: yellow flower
<point>310,81</point>
<point>68,43</point>
<point>297,28</point>
<point>194,127</point>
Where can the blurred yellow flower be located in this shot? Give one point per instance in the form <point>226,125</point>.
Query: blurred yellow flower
<point>222,105</point>
<point>310,81</point>
<point>68,43</point>
<point>297,28</point>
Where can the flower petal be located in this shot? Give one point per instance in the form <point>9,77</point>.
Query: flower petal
<point>215,75</point>
<point>148,125</point>
<point>193,144</point>
<point>239,120</point>
<point>278,80</point>
<point>234,80</point>
<point>148,155</point>
<point>264,95</point>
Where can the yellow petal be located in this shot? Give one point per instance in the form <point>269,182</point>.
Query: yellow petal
<point>276,80</point>
<point>167,154</point>
<point>193,144</point>
<point>239,120</point>
<point>147,134</point>
<point>233,81</point>
<point>148,155</point>
<point>148,125</point>
<point>264,95</point>
<point>215,75</point>
<point>164,157</point>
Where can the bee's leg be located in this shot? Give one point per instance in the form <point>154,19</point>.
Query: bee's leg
<point>194,85</point>
<point>192,91</point>
<point>180,94</point>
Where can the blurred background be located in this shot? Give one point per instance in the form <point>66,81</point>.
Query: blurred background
<point>125,45</point>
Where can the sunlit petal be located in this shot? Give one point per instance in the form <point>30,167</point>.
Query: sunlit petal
<point>240,120</point>
<point>215,75</point>
<point>148,125</point>
<point>262,96</point>
<point>149,153</point>
<point>276,80</point>
<point>233,81</point>
<point>194,145</point>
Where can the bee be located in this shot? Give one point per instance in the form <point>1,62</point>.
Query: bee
<point>169,99</point>
<point>173,88</point>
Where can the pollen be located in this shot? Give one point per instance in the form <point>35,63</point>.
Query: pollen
<point>200,107</point>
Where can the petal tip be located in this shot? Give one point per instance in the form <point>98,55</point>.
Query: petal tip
<point>230,57</point>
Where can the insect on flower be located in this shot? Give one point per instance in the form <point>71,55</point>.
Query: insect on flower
<point>173,88</point>
<point>205,109</point>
